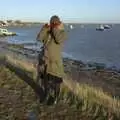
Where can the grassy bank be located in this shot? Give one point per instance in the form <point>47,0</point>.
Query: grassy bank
<point>77,101</point>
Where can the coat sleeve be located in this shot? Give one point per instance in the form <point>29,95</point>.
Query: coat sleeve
<point>42,35</point>
<point>59,35</point>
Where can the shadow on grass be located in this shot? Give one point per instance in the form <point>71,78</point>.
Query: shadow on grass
<point>23,75</point>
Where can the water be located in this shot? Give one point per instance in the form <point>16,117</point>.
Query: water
<point>83,43</point>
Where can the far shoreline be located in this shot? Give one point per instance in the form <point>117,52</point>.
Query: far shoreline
<point>20,23</point>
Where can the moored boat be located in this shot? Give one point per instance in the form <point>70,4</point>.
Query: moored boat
<point>5,32</point>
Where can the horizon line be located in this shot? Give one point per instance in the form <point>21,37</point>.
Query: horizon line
<point>64,21</point>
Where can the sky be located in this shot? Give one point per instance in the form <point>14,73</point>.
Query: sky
<point>80,11</point>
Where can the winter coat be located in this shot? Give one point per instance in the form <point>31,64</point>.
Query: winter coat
<point>52,51</point>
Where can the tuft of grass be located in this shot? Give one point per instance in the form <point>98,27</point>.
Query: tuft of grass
<point>23,64</point>
<point>91,99</point>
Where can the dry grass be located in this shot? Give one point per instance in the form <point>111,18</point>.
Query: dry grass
<point>91,96</point>
<point>23,64</point>
<point>90,100</point>
<point>16,97</point>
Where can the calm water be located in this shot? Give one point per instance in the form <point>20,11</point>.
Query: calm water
<point>84,44</point>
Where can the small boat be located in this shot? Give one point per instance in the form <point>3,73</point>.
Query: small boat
<point>71,26</point>
<point>107,26</point>
<point>100,28</point>
<point>5,32</point>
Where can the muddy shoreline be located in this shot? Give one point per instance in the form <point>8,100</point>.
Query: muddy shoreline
<point>93,74</point>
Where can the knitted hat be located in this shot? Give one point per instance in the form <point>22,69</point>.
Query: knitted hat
<point>54,18</point>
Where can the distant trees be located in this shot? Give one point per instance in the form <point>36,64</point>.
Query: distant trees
<point>2,22</point>
<point>18,21</point>
<point>9,21</point>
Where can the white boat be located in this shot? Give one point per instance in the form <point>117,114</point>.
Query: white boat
<point>71,26</point>
<point>107,26</point>
<point>100,28</point>
<point>5,32</point>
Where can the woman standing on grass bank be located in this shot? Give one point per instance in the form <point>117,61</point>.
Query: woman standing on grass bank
<point>50,63</point>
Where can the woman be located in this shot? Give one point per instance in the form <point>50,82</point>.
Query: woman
<point>52,36</point>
